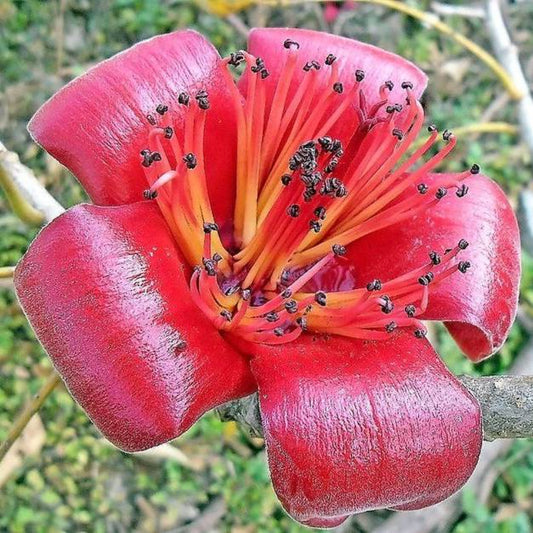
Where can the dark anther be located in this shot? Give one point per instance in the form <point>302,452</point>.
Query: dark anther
<point>331,165</point>
<point>302,322</point>
<point>422,188</point>
<point>217,258</point>
<point>315,225</point>
<point>278,332</point>
<point>202,99</point>
<point>289,42</point>
<point>463,266</point>
<point>432,128</point>
<point>147,158</point>
<point>210,226</point>
<point>155,156</point>
<point>447,135</point>
<point>183,98</point>
<point>463,244</point>
<point>407,85</point>
<point>320,298</point>
<point>426,279</point>
<point>210,267</point>
<point>420,333</point>
<point>435,258</point>
<point>441,193</point>
<point>168,132</point>
<point>203,103</point>
<point>339,249</point>
<point>462,191</point>
<point>236,58</point>
<point>388,306</point>
<point>309,193</point>
<point>390,109</point>
<point>337,87</point>
<point>272,316</point>
<point>341,191</point>
<point>475,169</point>
<point>190,160</point>
<point>410,310</point>
<point>398,107</point>
<point>226,314</point>
<point>151,119</point>
<point>149,194</point>
<point>286,179</point>
<point>397,133</point>
<point>265,74</point>
<point>287,293</point>
<point>320,212</point>
<point>293,210</point>
<point>374,285</point>
<point>389,84</point>
<point>161,109</point>
<point>390,327</point>
<point>246,294</point>
<point>330,59</point>
<point>311,64</point>
<point>359,75</point>
<point>291,306</point>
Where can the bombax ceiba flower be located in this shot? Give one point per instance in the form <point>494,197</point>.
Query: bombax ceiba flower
<point>283,234</point>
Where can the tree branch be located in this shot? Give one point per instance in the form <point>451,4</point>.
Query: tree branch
<point>26,414</point>
<point>506,403</point>
<point>507,54</point>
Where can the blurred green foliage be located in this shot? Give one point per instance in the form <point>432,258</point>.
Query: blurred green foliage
<point>79,483</point>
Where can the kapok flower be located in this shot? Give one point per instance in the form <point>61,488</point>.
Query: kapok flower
<point>278,234</point>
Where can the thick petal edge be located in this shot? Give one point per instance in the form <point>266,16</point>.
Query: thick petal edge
<point>478,307</point>
<point>352,426</point>
<point>105,292</point>
<point>97,124</point>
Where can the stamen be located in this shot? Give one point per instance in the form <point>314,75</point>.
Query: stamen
<point>299,204</point>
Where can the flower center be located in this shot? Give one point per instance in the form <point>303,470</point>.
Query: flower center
<point>302,197</point>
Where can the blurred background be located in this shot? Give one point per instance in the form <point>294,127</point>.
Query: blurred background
<point>62,476</point>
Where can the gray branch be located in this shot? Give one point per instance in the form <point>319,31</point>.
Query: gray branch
<point>26,182</point>
<point>507,55</point>
<point>506,403</point>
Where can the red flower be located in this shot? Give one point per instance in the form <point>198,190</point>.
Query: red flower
<point>286,245</point>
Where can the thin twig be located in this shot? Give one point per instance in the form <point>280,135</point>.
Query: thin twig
<point>433,21</point>
<point>19,204</point>
<point>238,24</point>
<point>458,10</point>
<point>24,189</point>
<point>507,54</point>
<point>7,272</point>
<point>60,34</point>
<point>21,421</point>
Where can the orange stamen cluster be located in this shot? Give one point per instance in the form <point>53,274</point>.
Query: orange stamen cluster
<point>299,204</point>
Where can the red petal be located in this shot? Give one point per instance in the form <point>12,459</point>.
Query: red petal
<point>352,426</point>
<point>478,307</point>
<point>379,66</point>
<point>105,292</point>
<point>96,125</point>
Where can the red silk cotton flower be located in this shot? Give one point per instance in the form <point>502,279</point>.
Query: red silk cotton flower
<point>278,234</point>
